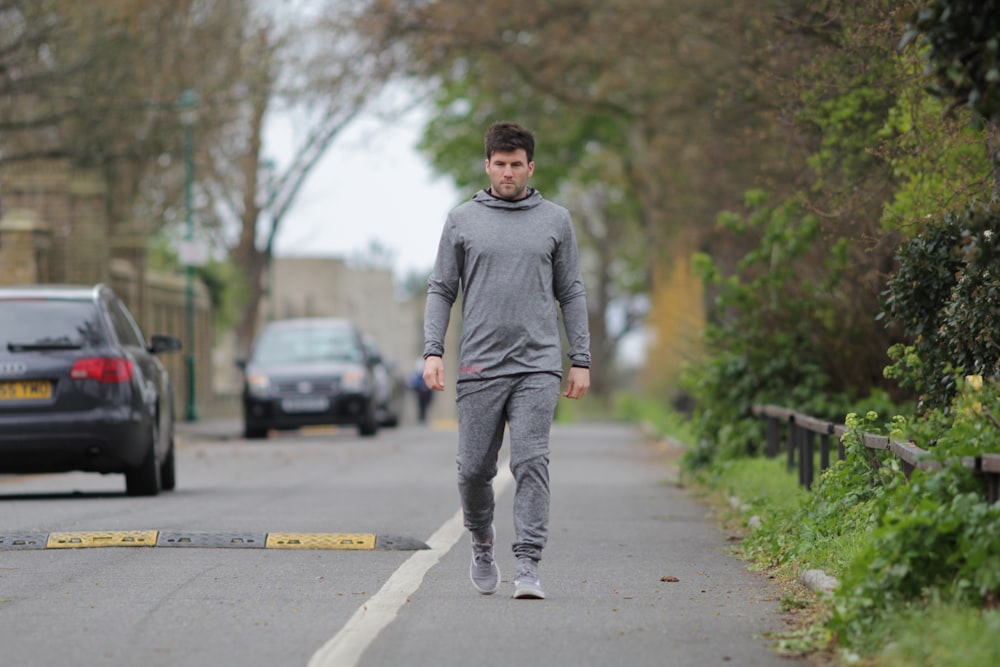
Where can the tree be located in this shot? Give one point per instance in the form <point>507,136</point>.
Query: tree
<point>964,55</point>
<point>618,92</point>
<point>310,65</point>
<point>944,293</point>
<point>97,84</point>
<point>963,37</point>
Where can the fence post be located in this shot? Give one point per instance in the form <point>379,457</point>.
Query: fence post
<point>790,464</point>
<point>824,449</point>
<point>806,464</point>
<point>990,465</point>
<point>773,437</point>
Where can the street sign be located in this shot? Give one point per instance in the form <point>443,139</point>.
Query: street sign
<point>193,253</point>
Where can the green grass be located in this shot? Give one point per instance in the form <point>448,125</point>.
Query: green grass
<point>655,417</point>
<point>761,483</point>
<point>942,636</point>
<point>926,636</point>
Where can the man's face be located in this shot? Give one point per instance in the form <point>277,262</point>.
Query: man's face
<point>509,173</point>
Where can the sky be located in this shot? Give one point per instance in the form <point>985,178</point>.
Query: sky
<point>371,185</point>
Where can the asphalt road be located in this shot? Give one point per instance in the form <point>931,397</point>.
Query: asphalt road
<point>620,527</point>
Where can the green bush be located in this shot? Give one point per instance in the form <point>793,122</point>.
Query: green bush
<point>937,540</point>
<point>897,545</point>
<point>963,54</point>
<point>771,329</point>
<point>923,549</point>
<point>946,296</point>
<point>823,531</point>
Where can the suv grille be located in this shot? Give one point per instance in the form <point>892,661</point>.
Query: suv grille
<point>299,387</point>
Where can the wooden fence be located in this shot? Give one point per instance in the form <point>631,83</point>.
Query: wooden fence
<point>802,432</point>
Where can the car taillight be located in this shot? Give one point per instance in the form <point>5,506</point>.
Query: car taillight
<point>102,369</point>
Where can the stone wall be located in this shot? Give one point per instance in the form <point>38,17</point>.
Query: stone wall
<point>25,248</point>
<point>68,206</point>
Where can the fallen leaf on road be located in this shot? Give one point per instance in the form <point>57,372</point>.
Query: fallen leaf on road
<point>669,578</point>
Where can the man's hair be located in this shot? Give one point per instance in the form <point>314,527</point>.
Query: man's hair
<point>508,137</point>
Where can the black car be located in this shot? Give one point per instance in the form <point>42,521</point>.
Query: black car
<point>306,372</point>
<point>81,389</point>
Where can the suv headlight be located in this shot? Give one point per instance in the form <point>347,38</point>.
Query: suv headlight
<point>258,384</point>
<point>353,380</point>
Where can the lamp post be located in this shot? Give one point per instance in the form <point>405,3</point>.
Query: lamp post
<point>188,117</point>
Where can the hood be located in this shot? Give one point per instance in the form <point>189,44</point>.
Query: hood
<point>533,199</point>
<point>313,369</point>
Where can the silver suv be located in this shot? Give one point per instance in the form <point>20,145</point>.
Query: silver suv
<point>309,371</point>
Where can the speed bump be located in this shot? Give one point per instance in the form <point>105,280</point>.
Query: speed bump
<point>111,538</point>
<point>209,540</point>
<point>350,541</point>
<point>212,540</point>
<point>24,541</point>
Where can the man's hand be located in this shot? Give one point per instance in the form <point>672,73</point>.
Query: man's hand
<point>434,373</point>
<point>578,382</point>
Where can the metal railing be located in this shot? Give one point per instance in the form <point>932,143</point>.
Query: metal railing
<point>802,431</point>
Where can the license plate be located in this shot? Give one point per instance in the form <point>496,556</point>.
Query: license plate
<point>25,390</point>
<point>306,404</point>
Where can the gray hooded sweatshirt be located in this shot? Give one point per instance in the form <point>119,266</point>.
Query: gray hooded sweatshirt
<point>517,265</point>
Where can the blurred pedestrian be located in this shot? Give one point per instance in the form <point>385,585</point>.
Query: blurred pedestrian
<point>421,391</point>
<point>514,256</point>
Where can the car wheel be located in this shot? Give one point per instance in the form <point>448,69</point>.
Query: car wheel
<point>168,473</point>
<point>145,479</point>
<point>254,432</point>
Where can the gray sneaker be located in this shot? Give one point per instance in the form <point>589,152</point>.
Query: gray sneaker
<point>484,571</point>
<point>526,583</point>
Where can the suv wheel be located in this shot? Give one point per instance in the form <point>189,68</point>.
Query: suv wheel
<point>168,472</point>
<point>254,432</point>
<point>368,426</point>
<point>145,479</point>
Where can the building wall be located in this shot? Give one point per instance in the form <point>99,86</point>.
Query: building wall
<point>25,245</point>
<point>70,204</point>
<point>328,287</point>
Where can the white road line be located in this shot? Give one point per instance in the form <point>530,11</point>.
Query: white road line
<point>345,648</point>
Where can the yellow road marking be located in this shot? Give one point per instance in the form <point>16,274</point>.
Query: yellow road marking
<point>110,538</point>
<point>352,541</point>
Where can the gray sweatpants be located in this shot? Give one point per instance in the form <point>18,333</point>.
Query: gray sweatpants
<point>526,404</point>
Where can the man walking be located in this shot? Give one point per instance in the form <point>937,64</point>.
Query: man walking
<point>514,256</point>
